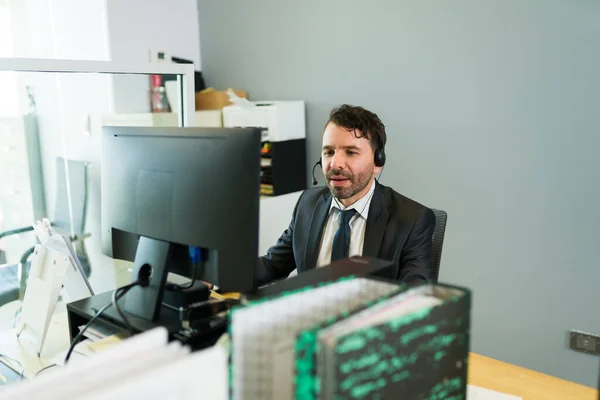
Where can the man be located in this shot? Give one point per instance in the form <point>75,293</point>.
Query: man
<point>354,214</point>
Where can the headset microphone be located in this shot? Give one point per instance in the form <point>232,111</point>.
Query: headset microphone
<point>313,172</point>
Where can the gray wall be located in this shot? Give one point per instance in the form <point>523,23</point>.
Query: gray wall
<point>492,110</point>
<point>136,26</point>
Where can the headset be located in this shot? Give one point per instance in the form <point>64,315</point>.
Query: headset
<point>379,160</point>
<point>379,156</point>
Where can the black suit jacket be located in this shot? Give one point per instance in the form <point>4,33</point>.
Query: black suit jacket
<point>398,229</point>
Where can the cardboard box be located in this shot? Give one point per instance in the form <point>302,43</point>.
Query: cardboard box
<point>215,100</point>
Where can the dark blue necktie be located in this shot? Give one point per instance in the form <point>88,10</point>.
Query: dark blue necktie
<point>341,240</point>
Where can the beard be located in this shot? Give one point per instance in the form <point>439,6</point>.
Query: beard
<point>357,182</point>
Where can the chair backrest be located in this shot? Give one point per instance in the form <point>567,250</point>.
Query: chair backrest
<point>438,239</point>
<point>78,186</point>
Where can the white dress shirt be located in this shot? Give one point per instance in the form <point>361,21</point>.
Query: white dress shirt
<point>358,224</point>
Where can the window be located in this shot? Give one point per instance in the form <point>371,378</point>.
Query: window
<point>9,99</point>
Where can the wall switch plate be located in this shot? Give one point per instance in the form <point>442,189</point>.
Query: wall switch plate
<point>584,342</point>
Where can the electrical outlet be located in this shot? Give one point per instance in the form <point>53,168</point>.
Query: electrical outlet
<point>584,342</point>
<point>157,55</point>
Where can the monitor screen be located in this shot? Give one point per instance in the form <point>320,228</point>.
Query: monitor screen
<point>196,188</point>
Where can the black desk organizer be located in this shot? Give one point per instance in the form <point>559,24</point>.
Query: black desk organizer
<point>199,335</point>
<point>283,167</point>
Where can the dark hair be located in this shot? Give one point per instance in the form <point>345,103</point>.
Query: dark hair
<point>365,123</point>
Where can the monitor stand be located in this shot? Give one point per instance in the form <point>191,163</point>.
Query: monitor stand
<point>151,258</point>
<point>143,305</point>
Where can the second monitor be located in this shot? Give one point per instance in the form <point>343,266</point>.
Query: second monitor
<point>194,188</point>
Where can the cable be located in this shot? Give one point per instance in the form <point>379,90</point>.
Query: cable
<point>56,365</point>
<point>80,334</point>
<point>80,353</point>
<point>370,196</point>
<point>372,193</point>
<point>118,308</point>
<point>195,254</point>
<point>45,368</point>
<point>123,290</point>
<point>16,362</point>
<point>380,173</point>
<point>190,283</point>
<point>365,206</point>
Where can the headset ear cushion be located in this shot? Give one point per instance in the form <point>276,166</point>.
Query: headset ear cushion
<point>380,158</point>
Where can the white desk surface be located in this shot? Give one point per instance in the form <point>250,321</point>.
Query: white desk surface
<point>23,348</point>
<point>107,276</point>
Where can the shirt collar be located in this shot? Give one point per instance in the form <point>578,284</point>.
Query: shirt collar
<point>361,205</point>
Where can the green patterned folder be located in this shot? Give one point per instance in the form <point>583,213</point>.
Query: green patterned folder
<point>264,332</point>
<point>409,345</point>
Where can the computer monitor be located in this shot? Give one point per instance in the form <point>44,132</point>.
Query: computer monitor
<point>167,192</point>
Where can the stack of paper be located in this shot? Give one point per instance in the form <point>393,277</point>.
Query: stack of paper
<point>478,393</point>
<point>145,366</point>
<point>97,331</point>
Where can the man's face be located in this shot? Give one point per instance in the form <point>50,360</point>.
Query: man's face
<point>348,163</point>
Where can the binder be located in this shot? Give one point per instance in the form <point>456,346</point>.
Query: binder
<point>413,344</point>
<point>263,333</point>
<point>356,337</point>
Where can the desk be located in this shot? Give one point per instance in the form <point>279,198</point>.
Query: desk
<point>23,349</point>
<point>530,385</point>
<point>107,275</point>
<point>483,371</point>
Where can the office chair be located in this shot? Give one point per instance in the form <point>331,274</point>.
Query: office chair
<point>438,240</point>
<point>13,278</point>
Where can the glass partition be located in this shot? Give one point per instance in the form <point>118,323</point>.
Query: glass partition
<point>51,154</point>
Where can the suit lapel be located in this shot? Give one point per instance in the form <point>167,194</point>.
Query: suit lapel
<point>376,223</point>
<point>317,224</point>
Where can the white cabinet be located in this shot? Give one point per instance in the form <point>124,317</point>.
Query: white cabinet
<point>283,135</point>
<point>203,119</point>
<point>280,120</point>
<point>22,199</point>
